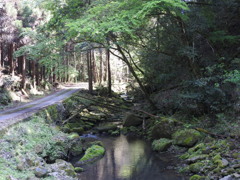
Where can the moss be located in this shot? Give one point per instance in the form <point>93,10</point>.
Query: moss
<point>164,128</point>
<point>162,144</point>
<point>197,177</point>
<point>186,137</point>
<point>196,167</point>
<point>92,154</point>
<point>78,169</point>
<point>73,136</point>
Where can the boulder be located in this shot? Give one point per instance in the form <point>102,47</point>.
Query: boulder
<point>62,170</point>
<point>197,177</point>
<point>40,172</point>
<point>186,137</point>
<point>107,128</point>
<point>161,144</point>
<point>92,154</point>
<point>196,167</point>
<point>131,120</point>
<point>165,128</point>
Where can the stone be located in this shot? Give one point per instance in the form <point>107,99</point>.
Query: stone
<point>131,120</point>
<point>62,169</point>
<point>162,144</point>
<point>77,148</point>
<point>229,177</point>
<point>165,128</point>
<point>40,172</point>
<point>78,169</point>
<point>197,177</point>
<point>186,137</point>
<point>196,167</point>
<point>106,128</point>
<point>92,154</point>
<point>196,158</point>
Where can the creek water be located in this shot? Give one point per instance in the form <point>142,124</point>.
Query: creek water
<point>130,158</point>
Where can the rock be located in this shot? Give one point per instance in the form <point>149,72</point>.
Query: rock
<point>131,120</point>
<point>186,137</point>
<point>106,128</point>
<point>73,136</point>
<point>196,167</point>
<point>236,175</point>
<point>11,178</point>
<point>196,158</point>
<point>236,155</point>
<point>229,177</point>
<point>197,177</point>
<point>78,130</point>
<point>62,169</point>
<point>165,128</point>
<point>77,148</point>
<point>20,166</point>
<point>40,172</point>
<point>224,163</point>
<point>78,169</point>
<point>162,144</point>
<point>220,161</point>
<point>92,154</point>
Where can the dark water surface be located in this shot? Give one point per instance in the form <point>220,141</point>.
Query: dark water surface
<point>130,158</point>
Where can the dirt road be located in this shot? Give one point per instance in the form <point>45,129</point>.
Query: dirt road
<point>13,115</point>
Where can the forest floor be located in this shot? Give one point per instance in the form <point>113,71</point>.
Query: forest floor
<point>21,111</point>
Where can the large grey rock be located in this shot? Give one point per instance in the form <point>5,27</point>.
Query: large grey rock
<point>165,128</point>
<point>229,177</point>
<point>186,137</point>
<point>40,172</point>
<point>132,120</point>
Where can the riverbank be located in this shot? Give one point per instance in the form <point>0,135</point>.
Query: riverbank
<point>44,145</point>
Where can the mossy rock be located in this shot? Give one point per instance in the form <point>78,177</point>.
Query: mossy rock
<point>165,128</point>
<point>77,148</point>
<point>73,136</point>
<point>161,144</point>
<point>196,167</point>
<point>186,138</point>
<point>92,154</point>
<point>78,169</point>
<point>131,120</point>
<point>197,177</point>
<point>106,128</point>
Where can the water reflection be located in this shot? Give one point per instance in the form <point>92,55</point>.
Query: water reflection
<point>128,158</point>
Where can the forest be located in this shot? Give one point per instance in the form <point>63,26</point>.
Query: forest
<point>176,58</point>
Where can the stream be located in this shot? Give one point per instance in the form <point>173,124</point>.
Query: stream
<point>130,158</point>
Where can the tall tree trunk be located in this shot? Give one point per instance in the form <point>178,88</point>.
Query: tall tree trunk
<point>89,64</point>
<point>105,70</point>
<point>94,67</point>
<point>101,66</point>
<point>34,74</point>
<point>10,58</point>
<point>1,55</point>
<point>37,74</point>
<point>23,72</point>
<point>54,74</point>
<point>109,72</point>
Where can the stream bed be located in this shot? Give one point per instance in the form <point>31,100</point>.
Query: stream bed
<point>131,158</point>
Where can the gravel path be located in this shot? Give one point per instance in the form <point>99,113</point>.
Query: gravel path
<point>14,115</point>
